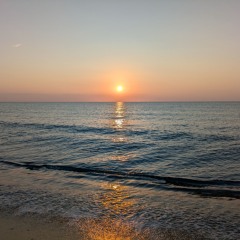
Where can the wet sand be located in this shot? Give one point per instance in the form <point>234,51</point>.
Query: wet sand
<point>14,227</point>
<point>31,228</point>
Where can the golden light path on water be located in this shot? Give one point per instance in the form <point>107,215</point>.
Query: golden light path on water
<point>119,123</point>
<point>119,115</point>
<point>115,199</point>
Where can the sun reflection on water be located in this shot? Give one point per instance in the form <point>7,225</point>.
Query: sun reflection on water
<point>122,158</point>
<point>115,200</point>
<point>119,116</point>
<point>119,122</point>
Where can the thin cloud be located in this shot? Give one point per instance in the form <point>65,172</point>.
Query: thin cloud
<point>17,45</point>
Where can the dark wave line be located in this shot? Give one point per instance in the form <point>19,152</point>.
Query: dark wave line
<point>186,182</point>
<point>211,192</point>
<point>74,128</point>
<point>203,192</point>
<point>70,128</point>
<point>154,134</point>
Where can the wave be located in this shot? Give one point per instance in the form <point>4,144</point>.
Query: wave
<point>153,134</point>
<point>200,187</point>
<point>75,128</point>
<point>68,128</point>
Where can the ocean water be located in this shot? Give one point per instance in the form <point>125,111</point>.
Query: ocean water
<point>171,166</point>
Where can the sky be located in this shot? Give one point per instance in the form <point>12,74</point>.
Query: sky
<point>81,50</point>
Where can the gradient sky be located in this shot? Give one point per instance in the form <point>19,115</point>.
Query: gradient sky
<point>158,50</point>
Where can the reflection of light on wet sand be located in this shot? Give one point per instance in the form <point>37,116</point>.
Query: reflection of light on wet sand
<point>108,229</point>
<point>116,204</point>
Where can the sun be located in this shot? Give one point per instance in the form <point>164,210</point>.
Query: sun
<point>119,88</point>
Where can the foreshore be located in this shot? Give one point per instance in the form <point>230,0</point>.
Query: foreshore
<point>33,227</point>
<point>13,227</point>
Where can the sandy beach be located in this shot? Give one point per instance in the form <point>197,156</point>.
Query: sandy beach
<point>14,227</point>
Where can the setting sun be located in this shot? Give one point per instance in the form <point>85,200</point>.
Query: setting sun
<point>119,88</point>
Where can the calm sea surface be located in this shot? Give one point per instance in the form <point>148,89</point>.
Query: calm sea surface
<point>159,165</point>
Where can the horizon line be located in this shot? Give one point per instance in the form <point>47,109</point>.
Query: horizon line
<point>194,101</point>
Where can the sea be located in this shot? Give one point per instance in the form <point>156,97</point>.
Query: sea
<point>171,166</point>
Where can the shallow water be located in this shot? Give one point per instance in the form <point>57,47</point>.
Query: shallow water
<point>159,165</point>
